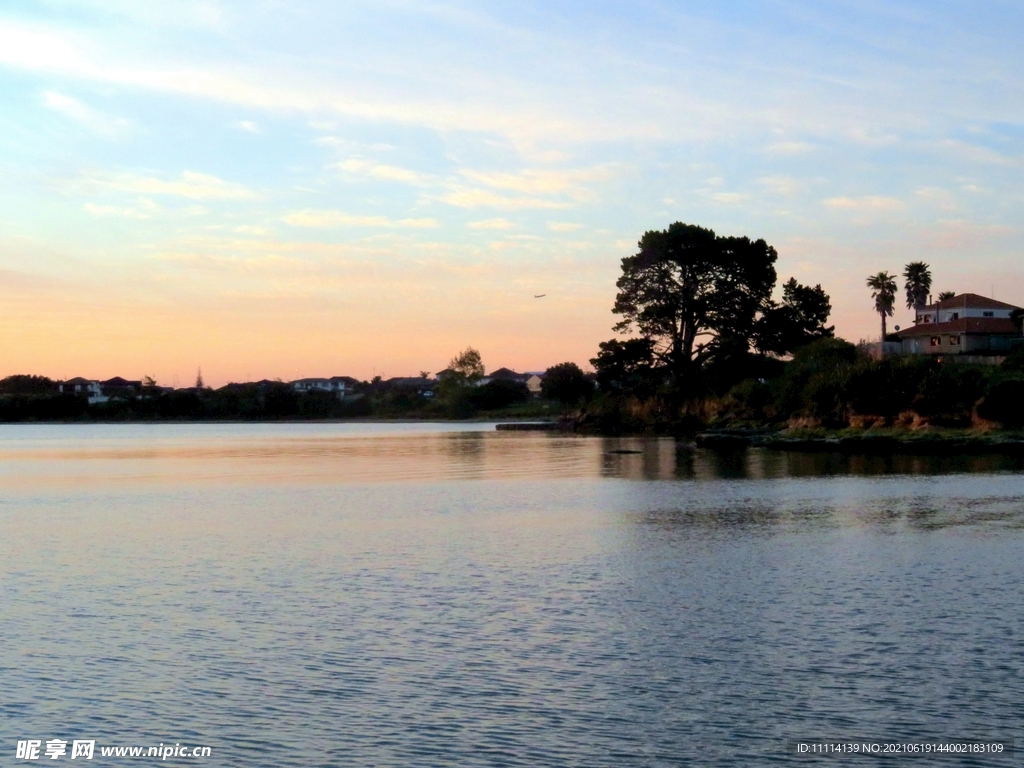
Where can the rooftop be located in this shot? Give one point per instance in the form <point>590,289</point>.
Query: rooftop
<point>973,300</point>
<point>963,325</point>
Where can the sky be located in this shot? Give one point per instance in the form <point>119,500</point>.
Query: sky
<point>281,189</point>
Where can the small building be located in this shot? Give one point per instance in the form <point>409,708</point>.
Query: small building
<point>341,386</point>
<point>90,388</point>
<point>508,375</point>
<point>533,382</point>
<point>967,324</point>
<point>119,387</point>
<point>421,385</point>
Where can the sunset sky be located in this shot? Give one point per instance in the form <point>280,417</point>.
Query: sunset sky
<point>293,188</point>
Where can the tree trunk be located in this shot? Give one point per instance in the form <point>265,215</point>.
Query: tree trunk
<point>882,314</point>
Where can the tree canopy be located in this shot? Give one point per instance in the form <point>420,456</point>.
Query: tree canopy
<point>20,384</point>
<point>796,322</point>
<point>918,276</point>
<point>688,290</point>
<point>883,291</point>
<point>693,296</point>
<point>620,364</point>
<point>567,384</point>
<point>467,364</point>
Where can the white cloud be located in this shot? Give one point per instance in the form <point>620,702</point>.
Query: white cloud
<point>248,125</point>
<point>563,226</point>
<point>334,141</point>
<point>313,218</point>
<point>866,203</point>
<point>362,167</point>
<point>466,197</point>
<point>729,197</point>
<point>144,209</point>
<point>41,49</point>
<point>980,155</point>
<point>196,186</point>
<point>780,185</point>
<point>542,181</point>
<point>942,198</point>
<point>92,119</point>
<point>789,148</point>
<point>871,138</point>
<point>160,13</point>
<point>491,224</point>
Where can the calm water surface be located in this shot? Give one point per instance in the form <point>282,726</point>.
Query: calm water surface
<point>448,595</point>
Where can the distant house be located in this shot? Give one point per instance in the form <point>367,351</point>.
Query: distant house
<point>533,383</point>
<point>967,324</point>
<point>118,387</point>
<point>90,388</point>
<point>421,385</point>
<point>508,375</point>
<point>341,386</point>
<point>531,380</point>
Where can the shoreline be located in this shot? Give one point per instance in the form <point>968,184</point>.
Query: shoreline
<point>867,442</point>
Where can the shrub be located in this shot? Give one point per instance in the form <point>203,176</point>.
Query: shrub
<point>21,384</point>
<point>567,384</point>
<point>1004,403</point>
<point>749,401</point>
<point>500,393</point>
<point>947,393</point>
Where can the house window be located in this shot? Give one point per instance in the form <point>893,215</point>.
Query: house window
<point>936,341</point>
<point>955,316</point>
<point>927,318</point>
<point>954,341</point>
<point>988,314</point>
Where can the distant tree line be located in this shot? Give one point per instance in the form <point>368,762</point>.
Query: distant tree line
<point>458,393</point>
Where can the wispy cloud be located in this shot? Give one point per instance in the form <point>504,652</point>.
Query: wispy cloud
<point>468,197</point>
<point>43,49</point>
<point>312,218</point>
<point>361,167</point>
<point>94,120</point>
<point>780,185</point>
<point>790,148</point>
<point>248,125</point>
<point>144,209</point>
<point>729,198</point>
<point>980,155</point>
<point>491,224</point>
<point>866,203</point>
<point>563,226</point>
<point>571,183</point>
<point>192,185</point>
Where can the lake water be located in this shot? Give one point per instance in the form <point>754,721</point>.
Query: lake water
<point>449,595</point>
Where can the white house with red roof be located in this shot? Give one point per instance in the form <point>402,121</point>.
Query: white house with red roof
<point>967,324</point>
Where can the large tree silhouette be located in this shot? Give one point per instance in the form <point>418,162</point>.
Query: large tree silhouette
<point>692,293</point>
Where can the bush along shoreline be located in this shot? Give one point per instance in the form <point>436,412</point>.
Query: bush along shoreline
<point>832,395</point>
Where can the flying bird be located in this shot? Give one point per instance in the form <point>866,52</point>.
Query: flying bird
<point>539,295</point>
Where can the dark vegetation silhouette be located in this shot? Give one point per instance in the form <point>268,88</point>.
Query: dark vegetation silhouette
<point>713,349</point>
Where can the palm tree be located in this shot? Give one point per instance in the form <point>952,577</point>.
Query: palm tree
<point>883,291</point>
<point>946,295</point>
<point>919,283</point>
